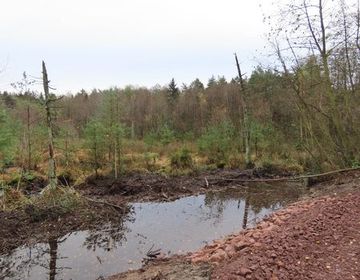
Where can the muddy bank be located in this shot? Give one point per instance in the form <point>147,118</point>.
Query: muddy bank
<point>316,238</point>
<point>176,268</point>
<point>25,227</point>
<point>156,187</point>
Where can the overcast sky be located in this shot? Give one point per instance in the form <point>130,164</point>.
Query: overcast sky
<point>98,44</point>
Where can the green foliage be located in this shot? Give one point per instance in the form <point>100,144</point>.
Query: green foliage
<point>173,92</point>
<point>52,204</point>
<point>95,139</point>
<point>181,159</point>
<point>196,85</point>
<point>165,135</point>
<point>264,136</point>
<point>217,142</point>
<point>8,138</point>
<point>355,163</point>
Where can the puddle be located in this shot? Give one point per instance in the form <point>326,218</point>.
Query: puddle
<point>174,227</point>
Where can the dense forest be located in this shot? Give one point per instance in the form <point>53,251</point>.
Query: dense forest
<point>299,115</point>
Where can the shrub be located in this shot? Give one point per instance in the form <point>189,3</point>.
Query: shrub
<point>236,160</point>
<point>12,198</point>
<point>181,159</point>
<point>150,160</point>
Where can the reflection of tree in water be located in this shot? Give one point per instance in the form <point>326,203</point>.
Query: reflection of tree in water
<point>6,265</point>
<point>246,211</point>
<point>110,235</point>
<point>255,198</point>
<point>17,265</point>
<point>273,196</point>
<point>53,244</point>
<point>107,238</point>
<point>214,207</point>
<point>21,263</point>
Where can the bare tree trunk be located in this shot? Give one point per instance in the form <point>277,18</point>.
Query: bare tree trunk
<point>347,55</point>
<point>52,167</point>
<point>116,159</point>
<point>96,163</point>
<point>246,126</point>
<point>28,138</point>
<point>358,26</point>
<point>132,129</point>
<point>67,149</point>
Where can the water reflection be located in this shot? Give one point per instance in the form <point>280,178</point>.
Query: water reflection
<point>174,227</point>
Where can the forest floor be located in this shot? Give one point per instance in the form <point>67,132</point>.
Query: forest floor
<point>31,225</point>
<point>315,238</point>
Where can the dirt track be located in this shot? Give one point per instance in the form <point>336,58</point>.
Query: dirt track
<point>311,239</point>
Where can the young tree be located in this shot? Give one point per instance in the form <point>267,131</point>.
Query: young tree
<point>110,117</point>
<point>211,82</point>
<point>95,142</point>
<point>173,92</point>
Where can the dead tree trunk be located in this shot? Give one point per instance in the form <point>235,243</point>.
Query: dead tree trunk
<point>246,126</point>
<point>52,167</point>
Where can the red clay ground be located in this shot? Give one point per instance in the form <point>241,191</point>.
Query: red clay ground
<point>317,238</point>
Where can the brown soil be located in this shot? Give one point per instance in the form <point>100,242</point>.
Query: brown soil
<point>154,187</point>
<point>176,268</point>
<point>317,238</point>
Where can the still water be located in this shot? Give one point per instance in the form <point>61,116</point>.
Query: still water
<point>174,227</point>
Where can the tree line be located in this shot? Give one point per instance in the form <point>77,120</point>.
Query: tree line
<point>303,110</point>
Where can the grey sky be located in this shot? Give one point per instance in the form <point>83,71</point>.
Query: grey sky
<point>88,43</point>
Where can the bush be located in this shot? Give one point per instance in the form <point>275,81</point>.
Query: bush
<point>150,160</point>
<point>11,198</point>
<point>236,160</point>
<point>52,204</point>
<point>181,159</point>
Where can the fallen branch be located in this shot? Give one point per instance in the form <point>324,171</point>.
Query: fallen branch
<point>206,182</point>
<point>105,203</point>
<point>293,178</point>
<point>153,254</point>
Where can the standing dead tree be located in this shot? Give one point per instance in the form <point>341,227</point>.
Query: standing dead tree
<point>245,113</point>
<point>48,100</point>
